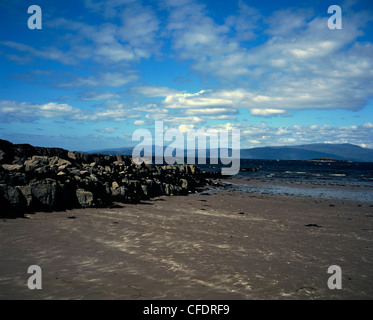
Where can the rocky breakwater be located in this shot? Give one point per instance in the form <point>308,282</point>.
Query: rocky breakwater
<point>36,178</point>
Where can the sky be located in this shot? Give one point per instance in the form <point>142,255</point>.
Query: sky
<point>99,70</point>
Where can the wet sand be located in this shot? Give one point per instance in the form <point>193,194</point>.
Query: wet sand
<point>223,245</point>
<point>361,191</point>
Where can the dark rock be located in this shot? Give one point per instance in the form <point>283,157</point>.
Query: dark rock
<point>16,179</point>
<point>85,198</point>
<point>118,192</point>
<point>153,188</point>
<point>35,162</point>
<point>27,194</point>
<point>50,152</point>
<point>184,184</point>
<point>36,178</point>
<point>168,189</point>
<point>73,172</point>
<point>312,225</point>
<point>45,195</point>
<point>68,194</point>
<point>6,152</point>
<point>58,161</point>
<point>22,152</point>
<point>13,167</point>
<point>12,200</point>
<point>42,170</point>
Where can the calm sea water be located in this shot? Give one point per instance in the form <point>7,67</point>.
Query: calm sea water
<point>345,172</point>
<point>342,180</point>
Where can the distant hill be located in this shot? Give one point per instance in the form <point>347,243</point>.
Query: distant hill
<point>127,151</point>
<point>344,151</point>
<point>113,151</point>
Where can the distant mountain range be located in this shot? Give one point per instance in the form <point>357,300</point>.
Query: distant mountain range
<point>344,151</point>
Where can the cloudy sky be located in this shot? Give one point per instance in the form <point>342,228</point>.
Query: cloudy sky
<point>99,70</point>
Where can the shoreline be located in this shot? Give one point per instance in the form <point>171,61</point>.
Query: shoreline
<point>358,192</point>
<point>218,244</point>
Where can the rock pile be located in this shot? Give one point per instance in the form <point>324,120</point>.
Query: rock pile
<point>36,178</point>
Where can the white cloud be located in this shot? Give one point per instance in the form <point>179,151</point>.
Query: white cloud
<point>139,26</point>
<point>107,80</point>
<point>251,135</point>
<point>185,127</point>
<point>265,135</point>
<point>139,122</point>
<point>210,111</point>
<point>203,99</point>
<point>133,37</point>
<point>151,108</point>
<point>185,121</point>
<point>108,8</point>
<point>227,102</point>
<point>106,130</point>
<point>26,111</point>
<point>154,91</point>
<point>368,125</point>
<point>302,65</point>
<point>115,52</point>
<point>23,110</point>
<point>97,96</point>
<point>266,112</point>
<point>118,113</point>
<point>245,23</point>
<point>49,53</point>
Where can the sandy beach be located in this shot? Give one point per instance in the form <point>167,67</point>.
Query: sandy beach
<point>212,245</point>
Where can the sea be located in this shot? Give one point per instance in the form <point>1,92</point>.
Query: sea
<point>339,180</point>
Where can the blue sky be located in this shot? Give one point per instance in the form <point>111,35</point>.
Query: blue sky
<point>99,70</point>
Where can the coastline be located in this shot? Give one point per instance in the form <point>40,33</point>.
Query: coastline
<point>218,244</point>
<point>359,191</point>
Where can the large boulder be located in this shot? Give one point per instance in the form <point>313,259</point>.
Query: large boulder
<point>23,152</point>
<point>13,167</point>
<point>184,184</point>
<point>6,151</point>
<point>16,179</point>
<point>51,152</point>
<point>35,162</point>
<point>152,188</point>
<point>118,193</point>
<point>57,161</point>
<point>85,198</point>
<point>168,189</point>
<point>26,191</point>
<point>46,195</point>
<point>12,200</point>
